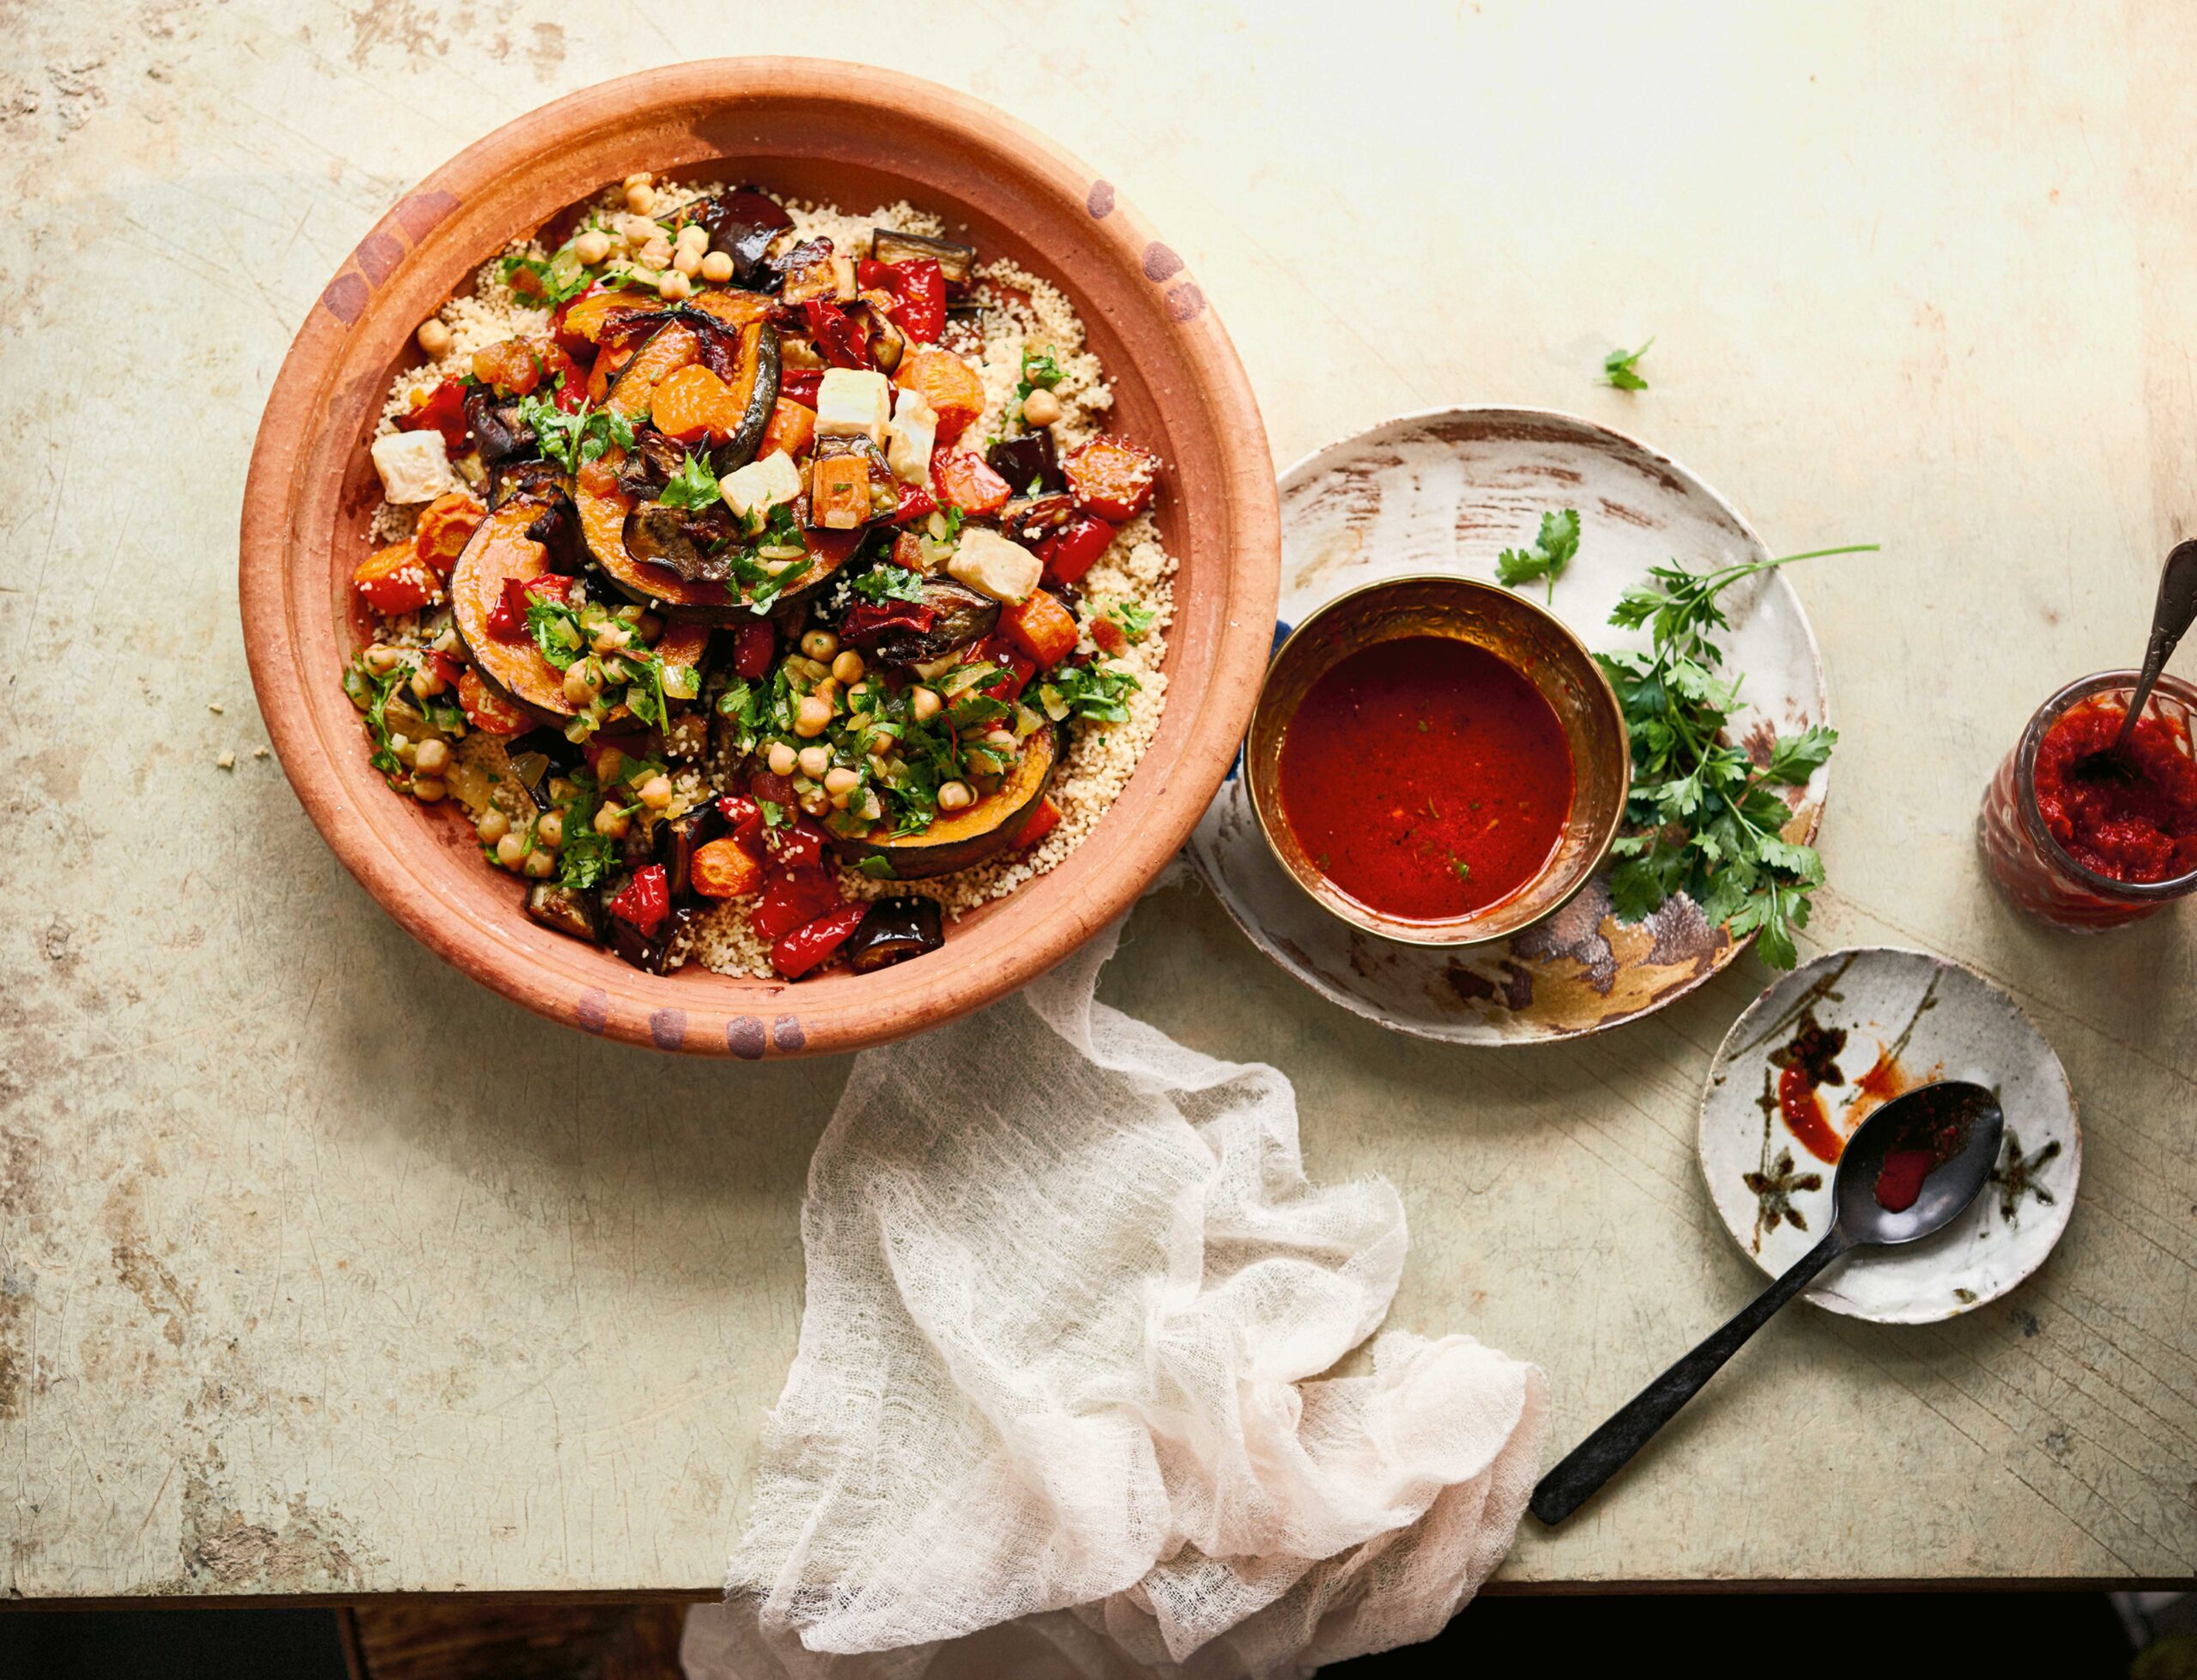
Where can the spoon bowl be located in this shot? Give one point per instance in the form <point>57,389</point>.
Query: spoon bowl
<point>1905,1173</point>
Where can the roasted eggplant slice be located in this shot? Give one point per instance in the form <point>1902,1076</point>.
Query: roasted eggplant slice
<point>956,261</point>
<point>653,955</point>
<point>498,431</point>
<point>566,910</point>
<point>892,931</point>
<point>1026,461</point>
<point>533,479</point>
<point>558,530</point>
<point>501,552</point>
<point>742,224</point>
<point>967,837</point>
<point>950,615</point>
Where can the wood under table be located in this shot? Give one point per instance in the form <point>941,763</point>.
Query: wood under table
<point>324,1272</point>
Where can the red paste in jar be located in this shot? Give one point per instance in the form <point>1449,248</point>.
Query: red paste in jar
<point>2138,828</point>
<point>1427,777</point>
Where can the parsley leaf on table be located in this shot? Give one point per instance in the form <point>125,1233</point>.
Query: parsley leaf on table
<point>1621,368</point>
<point>1552,551</point>
<point>1704,818</point>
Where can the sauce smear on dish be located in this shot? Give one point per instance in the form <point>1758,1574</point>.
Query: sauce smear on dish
<point>1425,778</point>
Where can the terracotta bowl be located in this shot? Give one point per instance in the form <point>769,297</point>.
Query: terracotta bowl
<point>1532,641</point>
<point>812,129</point>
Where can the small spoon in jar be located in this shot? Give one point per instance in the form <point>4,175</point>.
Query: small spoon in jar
<point>2170,616</point>
<point>1907,1172</point>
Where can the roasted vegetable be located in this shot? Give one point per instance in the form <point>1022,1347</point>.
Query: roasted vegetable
<point>501,553</point>
<point>751,399</point>
<point>529,480</point>
<point>948,615</point>
<point>557,529</point>
<point>742,224</point>
<point>814,944</point>
<point>960,839</point>
<point>893,930</point>
<point>1111,476</point>
<point>952,387</point>
<point>568,910</point>
<point>956,261</point>
<point>1028,463</point>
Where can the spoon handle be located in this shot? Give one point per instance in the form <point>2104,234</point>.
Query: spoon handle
<point>1606,1452</point>
<point>2170,616</point>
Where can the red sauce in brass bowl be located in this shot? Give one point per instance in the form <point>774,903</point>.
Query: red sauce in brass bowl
<point>1427,777</point>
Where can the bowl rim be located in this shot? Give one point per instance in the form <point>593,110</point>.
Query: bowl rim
<point>1344,908</point>
<point>281,542</point>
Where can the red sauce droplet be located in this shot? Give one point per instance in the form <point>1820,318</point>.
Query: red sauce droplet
<point>2129,828</point>
<point>1900,1180</point>
<point>1933,1129</point>
<point>1804,1115</point>
<point>1427,777</point>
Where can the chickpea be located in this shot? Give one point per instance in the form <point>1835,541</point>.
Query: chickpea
<point>582,682</point>
<point>925,703</point>
<point>783,759</point>
<point>639,178</point>
<point>839,781</point>
<point>447,640</point>
<point>611,638</point>
<point>381,660</point>
<point>428,789</point>
<point>435,339</point>
<point>656,252</point>
<point>848,667</point>
<point>687,261</point>
<point>956,796</point>
<point>637,230</point>
<point>612,822</point>
<point>592,247</point>
<point>814,761</point>
<point>1040,407</point>
<point>827,690</point>
<point>716,266</point>
<point>433,758</point>
<point>640,197</point>
<point>427,682</point>
<point>539,865</point>
<point>673,286</point>
<point>693,233</point>
<point>821,645</point>
<point>511,851</point>
<point>813,717</point>
<point>493,826</point>
<point>656,792</point>
<point>550,831</point>
<point>816,802</point>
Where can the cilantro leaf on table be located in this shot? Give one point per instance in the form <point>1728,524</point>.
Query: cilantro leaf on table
<point>1621,368</point>
<point>1552,551</point>
<point>1704,817</point>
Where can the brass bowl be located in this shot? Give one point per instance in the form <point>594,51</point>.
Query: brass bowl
<point>1524,636</point>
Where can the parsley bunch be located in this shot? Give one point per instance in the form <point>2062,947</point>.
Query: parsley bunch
<point>1707,819</point>
<point>1552,551</point>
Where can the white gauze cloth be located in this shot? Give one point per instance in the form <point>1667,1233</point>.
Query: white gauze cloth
<point>1069,1296</point>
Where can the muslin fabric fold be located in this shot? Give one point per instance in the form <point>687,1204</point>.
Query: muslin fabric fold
<point>1058,1405</point>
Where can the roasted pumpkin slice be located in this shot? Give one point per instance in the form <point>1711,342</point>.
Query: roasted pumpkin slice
<point>501,551</point>
<point>966,837</point>
<point>753,396</point>
<point>603,507</point>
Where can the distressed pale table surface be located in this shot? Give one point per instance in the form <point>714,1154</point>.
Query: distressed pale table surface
<point>322,1270</point>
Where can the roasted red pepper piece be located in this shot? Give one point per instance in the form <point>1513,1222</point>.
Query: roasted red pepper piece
<point>507,619</point>
<point>744,816</point>
<point>817,942</point>
<point>916,502</point>
<point>766,784</point>
<point>798,845</point>
<point>792,898</point>
<point>836,337</point>
<point>865,622</point>
<point>1075,548</point>
<point>1019,666</point>
<point>801,386</point>
<point>1042,821</point>
<point>445,412</point>
<point>645,901</point>
<point>918,289</point>
<point>755,644</point>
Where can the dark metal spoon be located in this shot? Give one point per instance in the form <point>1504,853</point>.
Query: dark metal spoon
<point>1957,1123</point>
<point>2170,616</point>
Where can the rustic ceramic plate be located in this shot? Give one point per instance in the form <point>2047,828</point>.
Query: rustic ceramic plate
<point>1909,1020</point>
<point>860,137</point>
<point>1448,491</point>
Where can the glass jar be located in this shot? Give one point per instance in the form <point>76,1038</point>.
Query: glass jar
<point>2030,867</point>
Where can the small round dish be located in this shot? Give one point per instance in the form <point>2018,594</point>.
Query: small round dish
<point>1909,1020</point>
<point>1446,492</point>
<point>1530,641</point>
<point>821,131</point>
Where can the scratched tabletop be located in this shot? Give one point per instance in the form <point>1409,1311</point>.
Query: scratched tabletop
<point>324,1271</point>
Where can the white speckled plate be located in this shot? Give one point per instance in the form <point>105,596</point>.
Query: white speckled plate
<point>1448,491</point>
<point>1909,1019</point>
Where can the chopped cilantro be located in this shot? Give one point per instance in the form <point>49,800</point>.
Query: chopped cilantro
<point>1135,620</point>
<point>693,485</point>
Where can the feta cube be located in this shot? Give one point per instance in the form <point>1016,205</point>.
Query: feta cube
<point>912,437</point>
<point>995,565</point>
<point>852,402</point>
<point>414,467</point>
<point>760,485</point>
